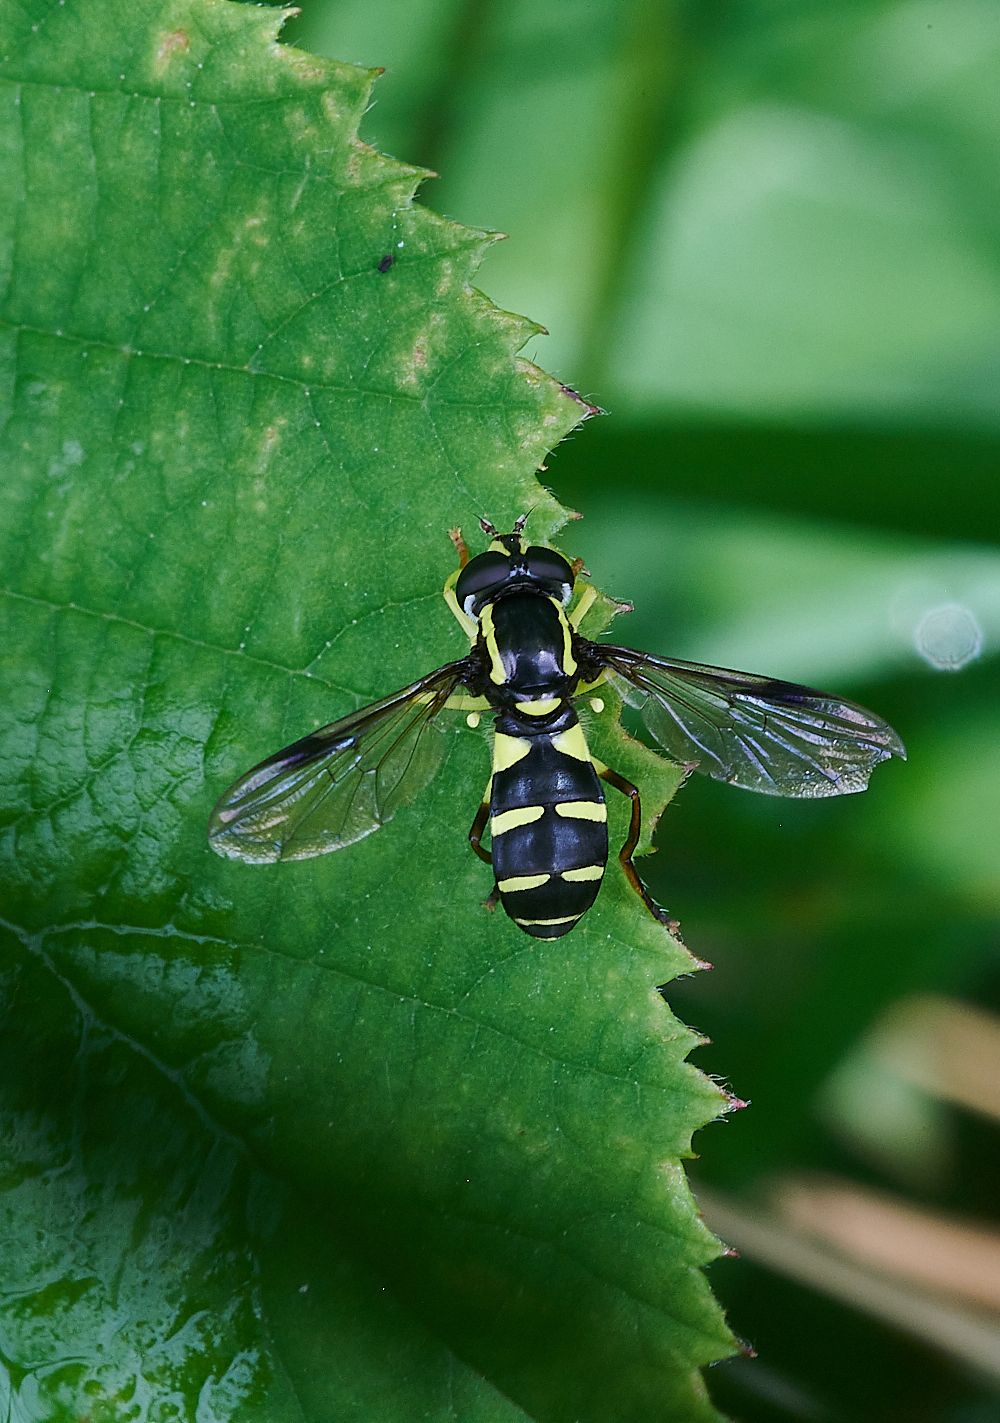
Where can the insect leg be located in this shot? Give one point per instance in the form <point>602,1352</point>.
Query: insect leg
<point>475,838</point>
<point>627,850</point>
<point>587,596</point>
<point>469,625</point>
<point>479,825</point>
<point>461,548</point>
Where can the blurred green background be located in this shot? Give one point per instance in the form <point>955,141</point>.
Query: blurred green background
<point>765,237</point>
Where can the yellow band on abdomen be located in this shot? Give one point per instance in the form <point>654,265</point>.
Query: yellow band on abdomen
<point>513,819</point>
<point>583,810</point>
<point>588,872</point>
<point>506,886</point>
<point>508,750</point>
<point>566,919</point>
<point>572,743</point>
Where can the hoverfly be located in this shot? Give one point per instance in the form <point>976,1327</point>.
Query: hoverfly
<point>544,802</point>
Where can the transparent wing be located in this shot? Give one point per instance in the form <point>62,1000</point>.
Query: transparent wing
<point>338,784</point>
<point>756,732</point>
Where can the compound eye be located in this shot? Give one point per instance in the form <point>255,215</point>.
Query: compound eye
<point>548,566</point>
<point>481,578</point>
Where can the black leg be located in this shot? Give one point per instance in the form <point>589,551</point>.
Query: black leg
<point>625,855</point>
<point>476,833</point>
<point>475,840</point>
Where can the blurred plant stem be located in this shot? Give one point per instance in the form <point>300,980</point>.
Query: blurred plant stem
<point>461,51</point>
<point>786,1244</point>
<point>653,64</point>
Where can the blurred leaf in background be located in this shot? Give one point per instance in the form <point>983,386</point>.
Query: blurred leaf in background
<point>765,236</point>
<point>771,209</point>
<point>822,243</point>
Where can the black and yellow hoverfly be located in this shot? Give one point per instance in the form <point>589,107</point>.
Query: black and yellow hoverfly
<point>544,803</point>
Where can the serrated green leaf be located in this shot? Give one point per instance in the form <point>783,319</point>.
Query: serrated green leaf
<point>171,1275</point>
<point>234,446</point>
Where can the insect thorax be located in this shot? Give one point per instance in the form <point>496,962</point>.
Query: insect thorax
<point>527,645</point>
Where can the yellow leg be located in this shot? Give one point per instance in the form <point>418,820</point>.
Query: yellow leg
<point>469,625</point>
<point>586,601</point>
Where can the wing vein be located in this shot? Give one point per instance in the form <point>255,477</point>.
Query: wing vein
<point>760,733</point>
<point>340,783</point>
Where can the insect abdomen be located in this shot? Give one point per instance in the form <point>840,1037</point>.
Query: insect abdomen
<point>548,823</point>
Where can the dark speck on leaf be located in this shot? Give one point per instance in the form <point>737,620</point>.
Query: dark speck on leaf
<point>386,262</point>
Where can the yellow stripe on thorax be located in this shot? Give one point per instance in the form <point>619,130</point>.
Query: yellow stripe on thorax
<point>542,707</point>
<point>498,673</point>
<point>588,872</point>
<point>568,660</point>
